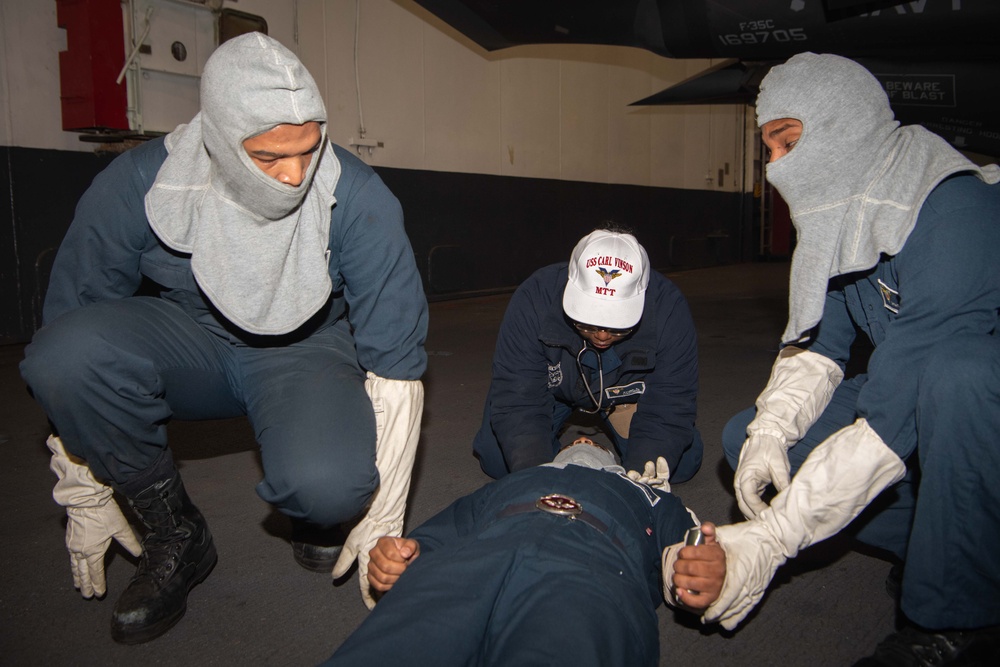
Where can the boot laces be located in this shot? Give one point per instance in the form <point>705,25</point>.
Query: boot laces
<point>162,546</point>
<point>159,558</point>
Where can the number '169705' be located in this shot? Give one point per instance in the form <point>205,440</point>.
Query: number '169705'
<point>763,36</point>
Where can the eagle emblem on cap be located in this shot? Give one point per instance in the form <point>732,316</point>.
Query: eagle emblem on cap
<point>608,275</point>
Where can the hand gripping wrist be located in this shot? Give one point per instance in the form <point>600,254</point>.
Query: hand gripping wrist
<point>838,480</point>
<point>752,557</point>
<point>667,560</point>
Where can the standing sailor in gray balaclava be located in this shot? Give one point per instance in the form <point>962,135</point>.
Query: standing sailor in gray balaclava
<point>286,291</point>
<point>898,238</point>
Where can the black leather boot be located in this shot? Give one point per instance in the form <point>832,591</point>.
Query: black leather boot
<point>914,646</point>
<point>178,553</point>
<point>315,548</point>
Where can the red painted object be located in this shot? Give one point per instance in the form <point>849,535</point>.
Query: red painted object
<point>95,39</point>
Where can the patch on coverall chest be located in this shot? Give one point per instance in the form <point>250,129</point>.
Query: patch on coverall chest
<point>555,375</point>
<point>890,297</point>
<point>621,391</point>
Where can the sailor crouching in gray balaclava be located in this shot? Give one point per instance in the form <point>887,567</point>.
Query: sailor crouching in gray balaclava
<point>898,237</point>
<point>259,235</point>
<point>575,543</point>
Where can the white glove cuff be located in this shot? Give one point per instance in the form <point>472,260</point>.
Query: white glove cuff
<point>398,406</point>
<point>799,389</point>
<point>76,486</point>
<point>838,480</point>
<point>752,557</point>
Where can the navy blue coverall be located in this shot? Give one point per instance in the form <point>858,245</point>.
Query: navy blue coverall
<point>537,383</point>
<point>111,369</point>
<point>932,393</point>
<point>498,582</point>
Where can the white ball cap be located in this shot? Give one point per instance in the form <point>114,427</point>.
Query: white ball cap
<point>608,275</point>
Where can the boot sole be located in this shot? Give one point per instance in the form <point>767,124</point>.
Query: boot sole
<point>150,632</point>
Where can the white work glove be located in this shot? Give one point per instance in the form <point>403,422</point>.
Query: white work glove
<point>763,461</point>
<point>398,406</point>
<point>799,389</point>
<point>94,520</point>
<point>653,474</point>
<point>838,480</point>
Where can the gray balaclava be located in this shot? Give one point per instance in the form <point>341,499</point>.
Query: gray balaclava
<point>258,247</point>
<point>855,180</point>
<point>587,455</point>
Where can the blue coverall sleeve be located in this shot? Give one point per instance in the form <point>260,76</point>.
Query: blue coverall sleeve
<point>836,332</point>
<point>949,287</point>
<point>383,289</point>
<point>451,523</point>
<point>664,421</point>
<point>98,259</point>
<point>672,520</point>
<point>521,403</point>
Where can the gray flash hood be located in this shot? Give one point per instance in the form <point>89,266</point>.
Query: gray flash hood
<point>855,181</point>
<point>258,247</point>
